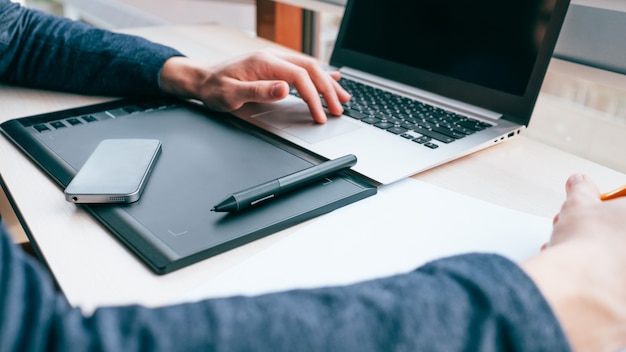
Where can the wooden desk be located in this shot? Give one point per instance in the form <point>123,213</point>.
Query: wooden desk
<point>93,268</point>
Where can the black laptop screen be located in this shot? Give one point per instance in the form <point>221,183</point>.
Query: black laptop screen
<point>447,45</point>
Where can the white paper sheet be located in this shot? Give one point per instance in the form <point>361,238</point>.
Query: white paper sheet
<point>405,225</point>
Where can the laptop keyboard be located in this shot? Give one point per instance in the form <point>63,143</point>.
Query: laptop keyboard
<point>407,118</point>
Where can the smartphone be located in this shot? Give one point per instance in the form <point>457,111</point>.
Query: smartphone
<point>116,172</point>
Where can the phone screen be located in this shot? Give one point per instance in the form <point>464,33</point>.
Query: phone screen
<point>116,172</point>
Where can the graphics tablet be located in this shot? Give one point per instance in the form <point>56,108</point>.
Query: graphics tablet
<point>205,156</point>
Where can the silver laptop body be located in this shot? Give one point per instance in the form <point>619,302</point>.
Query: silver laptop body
<point>482,60</point>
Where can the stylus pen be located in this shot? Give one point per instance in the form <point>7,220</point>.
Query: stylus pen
<point>269,190</point>
<point>620,192</point>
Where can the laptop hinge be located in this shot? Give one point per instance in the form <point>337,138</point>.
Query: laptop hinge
<point>419,94</point>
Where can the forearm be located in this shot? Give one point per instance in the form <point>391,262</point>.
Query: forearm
<point>462,303</point>
<point>43,51</point>
<point>472,303</point>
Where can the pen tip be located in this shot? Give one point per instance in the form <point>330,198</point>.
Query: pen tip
<point>212,209</point>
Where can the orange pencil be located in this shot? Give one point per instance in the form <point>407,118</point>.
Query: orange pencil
<point>620,192</point>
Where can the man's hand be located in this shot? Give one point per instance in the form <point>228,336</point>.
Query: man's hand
<point>581,271</point>
<point>263,76</point>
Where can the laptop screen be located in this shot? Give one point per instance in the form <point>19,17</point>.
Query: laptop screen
<point>457,48</point>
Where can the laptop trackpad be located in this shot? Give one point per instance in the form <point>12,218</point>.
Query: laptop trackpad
<point>296,120</point>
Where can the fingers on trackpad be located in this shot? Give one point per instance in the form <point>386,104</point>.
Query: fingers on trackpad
<point>296,120</point>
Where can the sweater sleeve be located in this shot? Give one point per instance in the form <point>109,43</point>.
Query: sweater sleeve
<point>474,302</point>
<point>48,52</point>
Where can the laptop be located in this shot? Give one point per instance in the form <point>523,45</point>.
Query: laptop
<point>441,79</point>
